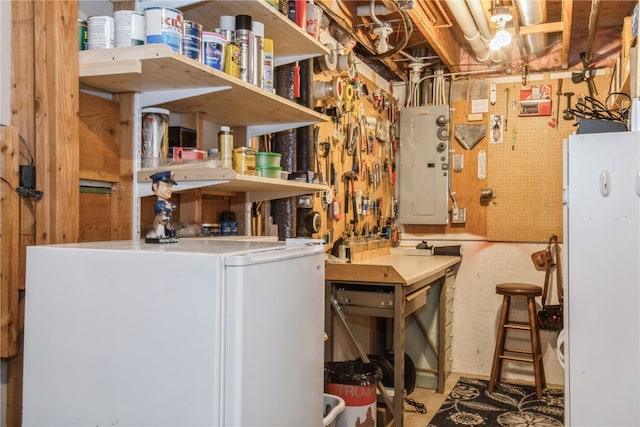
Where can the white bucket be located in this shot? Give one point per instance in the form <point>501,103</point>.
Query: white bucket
<point>213,47</point>
<point>164,25</point>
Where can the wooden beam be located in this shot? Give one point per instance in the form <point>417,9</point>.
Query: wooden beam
<point>440,39</point>
<point>549,27</point>
<point>57,124</point>
<point>567,13</point>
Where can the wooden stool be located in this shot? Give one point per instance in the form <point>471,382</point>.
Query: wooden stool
<point>530,292</point>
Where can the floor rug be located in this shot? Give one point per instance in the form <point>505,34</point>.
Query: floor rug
<point>471,404</point>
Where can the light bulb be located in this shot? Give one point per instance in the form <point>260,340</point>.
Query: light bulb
<point>381,43</point>
<point>500,40</point>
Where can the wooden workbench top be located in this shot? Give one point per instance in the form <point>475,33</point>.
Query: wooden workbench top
<point>392,269</point>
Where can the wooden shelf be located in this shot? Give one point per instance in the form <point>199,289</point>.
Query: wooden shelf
<point>171,80</point>
<point>212,180</point>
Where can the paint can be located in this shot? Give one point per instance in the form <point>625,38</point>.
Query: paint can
<point>164,25</point>
<point>155,136</point>
<point>82,34</point>
<point>213,49</point>
<point>100,32</point>
<point>129,28</point>
<point>244,160</point>
<point>192,40</point>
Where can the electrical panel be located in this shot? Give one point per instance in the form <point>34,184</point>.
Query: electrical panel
<point>423,175</point>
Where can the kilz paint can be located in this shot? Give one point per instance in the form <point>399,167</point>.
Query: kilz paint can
<point>164,25</point>
<point>130,28</point>
<point>213,46</point>
<point>100,32</point>
<point>192,40</point>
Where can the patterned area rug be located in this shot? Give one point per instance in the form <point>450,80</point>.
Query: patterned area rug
<point>471,404</point>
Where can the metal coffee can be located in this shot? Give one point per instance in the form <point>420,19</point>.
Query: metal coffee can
<point>155,136</point>
<point>100,32</point>
<point>164,25</point>
<point>191,40</point>
<point>129,28</point>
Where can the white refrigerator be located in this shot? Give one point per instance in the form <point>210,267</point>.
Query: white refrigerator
<point>602,224</point>
<point>195,333</point>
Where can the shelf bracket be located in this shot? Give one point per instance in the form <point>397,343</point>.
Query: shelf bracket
<point>258,130</point>
<point>144,188</point>
<point>156,97</point>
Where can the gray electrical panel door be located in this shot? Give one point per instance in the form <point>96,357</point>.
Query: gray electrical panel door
<point>423,177</point>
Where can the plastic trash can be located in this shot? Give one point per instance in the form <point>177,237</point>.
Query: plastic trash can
<point>355,382</point>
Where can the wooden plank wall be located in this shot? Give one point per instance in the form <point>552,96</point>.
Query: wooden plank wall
<point>9,239</point>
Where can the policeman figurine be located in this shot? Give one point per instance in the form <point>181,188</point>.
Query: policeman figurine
<point>163,231</point>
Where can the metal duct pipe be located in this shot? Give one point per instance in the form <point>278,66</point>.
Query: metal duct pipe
<point>480,18</point>
<point>305,149</point>
<point>533,12</point>
<point>461,13</point>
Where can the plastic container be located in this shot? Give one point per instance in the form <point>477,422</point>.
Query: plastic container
<point>333,406</point>
<point>225,146</point>
<point>265,159</point>
<point>270,172</point>
<point>213,49</point>
<point>355,382</point>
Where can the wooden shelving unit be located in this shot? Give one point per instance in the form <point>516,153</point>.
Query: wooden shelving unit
<point>160,77</point>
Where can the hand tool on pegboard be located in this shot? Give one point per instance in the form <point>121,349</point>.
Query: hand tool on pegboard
<point>567,114</point>
<point>554,123</point>
<point>506,116</point>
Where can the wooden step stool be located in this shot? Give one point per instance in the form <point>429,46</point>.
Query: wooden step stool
<point>501,353</point>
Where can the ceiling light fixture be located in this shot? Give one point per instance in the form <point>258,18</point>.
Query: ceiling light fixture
<point>500,15</point>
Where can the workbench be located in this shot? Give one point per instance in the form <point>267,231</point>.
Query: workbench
<point>391,287</point>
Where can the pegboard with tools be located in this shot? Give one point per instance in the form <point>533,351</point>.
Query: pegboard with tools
<point>524,168</point>
<point>356,153</point>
